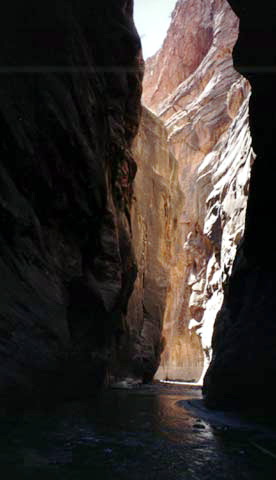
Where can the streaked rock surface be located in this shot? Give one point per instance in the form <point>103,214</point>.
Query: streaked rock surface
<point>192,86</point>
<point>244,341</point>
<point>157,238</point>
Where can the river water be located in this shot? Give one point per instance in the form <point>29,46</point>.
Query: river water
<point>143,433</point>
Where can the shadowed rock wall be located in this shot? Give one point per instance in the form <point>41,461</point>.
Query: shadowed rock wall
<point>193,88</point>
<point>70,86</point>
<point>244,341</point>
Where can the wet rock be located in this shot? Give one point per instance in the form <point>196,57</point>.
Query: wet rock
<point>126,383</point>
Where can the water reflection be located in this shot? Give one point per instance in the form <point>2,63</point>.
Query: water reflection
<point>141,434</point>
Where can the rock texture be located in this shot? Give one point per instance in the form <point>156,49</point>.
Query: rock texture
<point>192,86</point>
<point>244,341</point>
<point>157,237</point>
<point>70,86</point>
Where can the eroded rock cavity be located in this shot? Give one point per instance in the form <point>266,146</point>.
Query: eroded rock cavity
<point>192,186</point>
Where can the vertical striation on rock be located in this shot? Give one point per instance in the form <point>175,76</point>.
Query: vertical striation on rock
<point>193,88</point>
<point>70,92</point>
<point>244,341</point>
<point>156,208</point>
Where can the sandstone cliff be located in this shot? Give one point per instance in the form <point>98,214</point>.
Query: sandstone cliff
<point>69,109</point>
<point>157,206</point>
<point>193,88</point>
<point>244,341</point>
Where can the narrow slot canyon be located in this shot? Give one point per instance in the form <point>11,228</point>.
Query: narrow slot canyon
<point>192,185</point>
<point>137,259</point>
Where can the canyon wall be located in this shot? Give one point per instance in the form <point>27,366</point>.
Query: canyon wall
<point>157,205</point>
<point>244,342</point>
<point>73,219</point>
<point>193,88</point>
<point>70,87</point>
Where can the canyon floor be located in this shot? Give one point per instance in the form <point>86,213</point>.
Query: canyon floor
<point>142,433</point>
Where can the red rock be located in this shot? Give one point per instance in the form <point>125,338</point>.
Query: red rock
<point>203,101</point>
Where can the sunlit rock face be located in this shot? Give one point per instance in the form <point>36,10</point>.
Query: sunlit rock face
<point>70,88</point>
<point>156,208</point>
<point>244,341</point>
<point>192,86</point>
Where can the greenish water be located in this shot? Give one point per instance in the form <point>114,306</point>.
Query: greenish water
<point>134,434</point>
